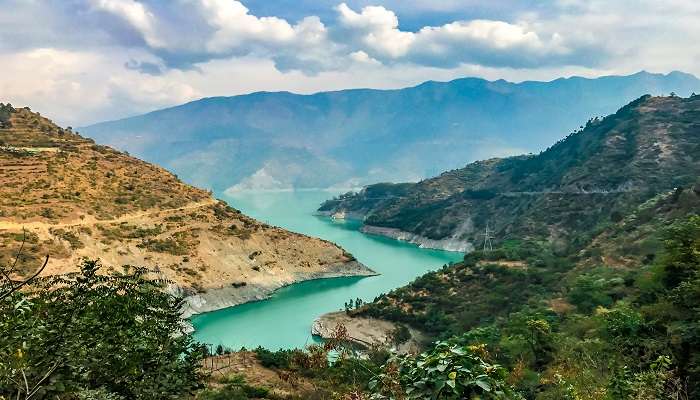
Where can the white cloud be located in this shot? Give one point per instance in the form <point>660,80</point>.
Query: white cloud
<point>375,30</point>
<point>362,57</point>
<point>235,26</point>
<point>134,13</point>
<point>224,28</point>
<point>87,60</point>
<point>76,87</point>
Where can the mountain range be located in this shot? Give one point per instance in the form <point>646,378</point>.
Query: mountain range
<point>355,137</point>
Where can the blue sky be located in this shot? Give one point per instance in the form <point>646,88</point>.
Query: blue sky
<point>413,15</point>
<point>82,61</point>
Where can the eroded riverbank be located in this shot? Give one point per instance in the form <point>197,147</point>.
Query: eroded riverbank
<point>230,296</point>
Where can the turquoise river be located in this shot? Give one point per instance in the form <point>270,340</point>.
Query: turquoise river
<point>284,320</point>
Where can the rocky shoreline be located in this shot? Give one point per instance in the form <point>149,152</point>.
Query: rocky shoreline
<point>349,215</point>
<point>367,332</point>
<point>219,298</point>
<point>421,241</point>
<point>397,234</point>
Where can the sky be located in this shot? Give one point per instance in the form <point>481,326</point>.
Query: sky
<point>85,61</point>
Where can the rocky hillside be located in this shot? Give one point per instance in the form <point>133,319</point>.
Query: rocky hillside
<point>65,196</point>
<point>564,195</point>
<point>355,137</point>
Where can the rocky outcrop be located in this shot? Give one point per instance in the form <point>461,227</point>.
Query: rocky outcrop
<point>367,332</point>
<point>449,244</point>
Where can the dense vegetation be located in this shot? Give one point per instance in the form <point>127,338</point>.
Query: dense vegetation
<point>449,370</point>
<point>95,335</point>
<point>566,332</point>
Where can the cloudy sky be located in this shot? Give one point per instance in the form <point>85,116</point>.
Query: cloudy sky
<point>83,61</point>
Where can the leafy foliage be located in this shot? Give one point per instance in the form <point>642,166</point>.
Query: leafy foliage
<point>448,371</point>
<point>116,333</point>
<point>564,331</point>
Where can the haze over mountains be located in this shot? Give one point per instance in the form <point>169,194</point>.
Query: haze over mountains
<point>355,137</point>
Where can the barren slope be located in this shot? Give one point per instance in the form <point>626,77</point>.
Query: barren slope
<point>77,199</point>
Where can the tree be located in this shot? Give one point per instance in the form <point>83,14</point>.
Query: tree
<point>539,338</point>
<point>119,333</point>
<point>681,258</point>
<point>675,287</point>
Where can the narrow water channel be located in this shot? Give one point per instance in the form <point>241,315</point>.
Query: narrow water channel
<point>284,321</point>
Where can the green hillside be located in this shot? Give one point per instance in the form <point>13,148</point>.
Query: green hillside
<point>592,178</point>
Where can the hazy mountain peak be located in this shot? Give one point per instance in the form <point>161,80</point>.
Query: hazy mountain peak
<point>368,135</point>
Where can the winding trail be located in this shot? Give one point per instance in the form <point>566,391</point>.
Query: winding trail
<point>91,220</point>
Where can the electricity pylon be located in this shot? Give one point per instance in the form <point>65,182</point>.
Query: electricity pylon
<point>488,245</point>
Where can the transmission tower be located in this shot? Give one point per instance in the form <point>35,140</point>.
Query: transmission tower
<point>488,245</point>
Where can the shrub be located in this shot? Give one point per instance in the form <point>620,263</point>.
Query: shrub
<point>280,359</point>
<point>447,372</point>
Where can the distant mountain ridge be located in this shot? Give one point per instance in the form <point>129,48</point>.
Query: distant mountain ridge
<point>354,137</point>
<point>593,177</point>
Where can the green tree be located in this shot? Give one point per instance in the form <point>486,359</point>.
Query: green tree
<point>118,333</point>
<point>588,292</point>
<point>681,258</point>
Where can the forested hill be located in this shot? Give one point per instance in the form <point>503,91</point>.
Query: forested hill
<point>355,137</point>
<point>594,176</point>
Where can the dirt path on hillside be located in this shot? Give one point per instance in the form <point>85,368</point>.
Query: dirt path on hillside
<point>91,220</point>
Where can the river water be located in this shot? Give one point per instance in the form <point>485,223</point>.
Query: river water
<point>284,321</point>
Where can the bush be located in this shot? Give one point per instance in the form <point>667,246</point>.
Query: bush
<point>280,359</point>
<point>447,372</point>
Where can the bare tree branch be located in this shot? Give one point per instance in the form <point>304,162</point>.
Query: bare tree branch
<point>14,288</point>
<point>38,384</point>
<point>21,247</point>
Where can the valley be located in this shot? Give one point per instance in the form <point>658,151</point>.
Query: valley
<point>294,309</point>
<point>349,200</point>
<point>592,248</point>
